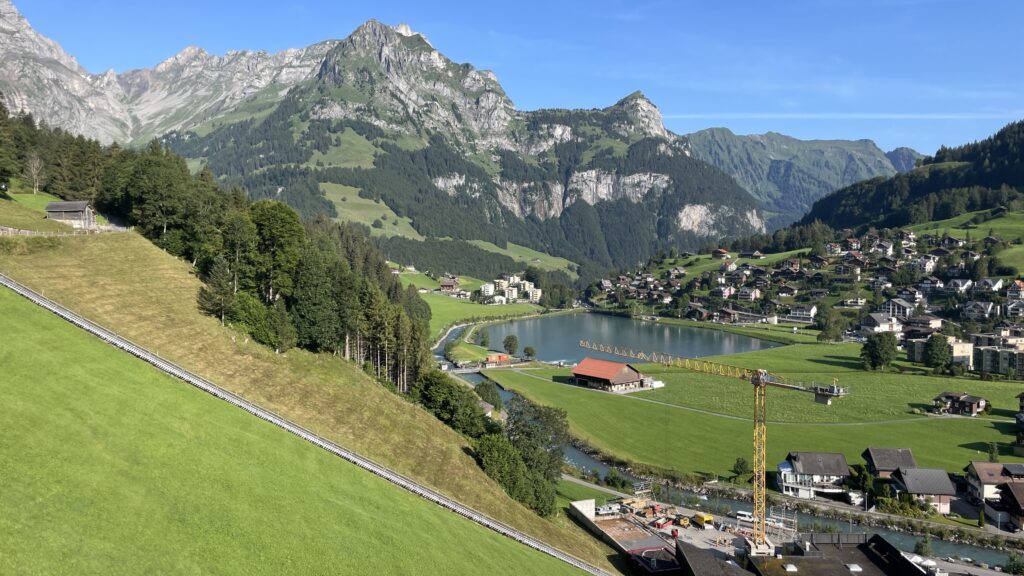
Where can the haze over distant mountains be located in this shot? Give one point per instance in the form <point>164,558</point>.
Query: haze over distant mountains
<point>385,112</point>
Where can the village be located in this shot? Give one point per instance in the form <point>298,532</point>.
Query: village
<point>912,287</point>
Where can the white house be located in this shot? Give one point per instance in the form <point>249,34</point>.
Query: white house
<point>878,322</point>
<point>487,289</point>
<point>803,313</point>
<point>806,474</point>
<point>512,293</point>
<point>897,307</point>
<point>988,285</point>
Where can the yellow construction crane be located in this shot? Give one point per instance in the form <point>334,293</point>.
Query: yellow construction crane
<point>761,380</point>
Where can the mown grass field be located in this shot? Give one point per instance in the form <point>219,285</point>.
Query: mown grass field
<point>446,311</point>
<point>125,283</point>
<point>355,151</point>
<point>529,257</point>
<point>677,438</point>
<point>15,215</point>
<point>874,396</point>
<point>352,207</point>
<point>111,467</point>
<point>782,333</point>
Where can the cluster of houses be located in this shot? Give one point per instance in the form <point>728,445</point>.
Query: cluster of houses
<point>510,288</point>
<point>505,290</point>
<point>810,474</point>
<point>999,487</point>
<point>795,290</point>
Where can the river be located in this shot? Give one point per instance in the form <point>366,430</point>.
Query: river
<point>556,338</point>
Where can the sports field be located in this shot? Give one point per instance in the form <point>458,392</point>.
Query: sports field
<point>111,467</point>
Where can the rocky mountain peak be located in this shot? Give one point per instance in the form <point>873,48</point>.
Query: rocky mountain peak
<point>645,115</point>
<point>18,37</point>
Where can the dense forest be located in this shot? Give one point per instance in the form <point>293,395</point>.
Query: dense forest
<point>977,176</point>
<point>285,282</point>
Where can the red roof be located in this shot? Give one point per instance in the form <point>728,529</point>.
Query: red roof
<point>602,369</point>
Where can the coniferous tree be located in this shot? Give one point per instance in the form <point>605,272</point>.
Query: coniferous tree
<point>281,326</point>
<point>314,309</point>
<point>217,295</point>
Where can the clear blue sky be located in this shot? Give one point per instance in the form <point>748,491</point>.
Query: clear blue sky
<point>901,72</point>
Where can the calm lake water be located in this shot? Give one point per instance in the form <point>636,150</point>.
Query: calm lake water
<point>556,338</point>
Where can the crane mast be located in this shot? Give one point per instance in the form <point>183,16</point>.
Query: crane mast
<point>760,381</point>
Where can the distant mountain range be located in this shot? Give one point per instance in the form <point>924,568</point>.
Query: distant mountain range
<point>984,175</point>
<point>788,174</point>
<point>440,143</point>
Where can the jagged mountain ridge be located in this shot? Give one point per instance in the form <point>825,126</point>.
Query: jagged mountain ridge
<point>788,175</point>
<point>516,167</point>
<point>442,138</point>
<point>38,76</point>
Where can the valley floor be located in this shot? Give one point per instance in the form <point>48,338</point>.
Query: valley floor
<point>701,423</point>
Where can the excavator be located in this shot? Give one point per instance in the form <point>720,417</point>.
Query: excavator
<point>761,380</point>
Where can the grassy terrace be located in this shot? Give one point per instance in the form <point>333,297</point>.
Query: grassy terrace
<point>352,207</point>
<point>446,311</point>
<point>113,467</point>
<point>529,256</point>
<point>14,214</point>
<point>125,283</point>
<point>701,423</point>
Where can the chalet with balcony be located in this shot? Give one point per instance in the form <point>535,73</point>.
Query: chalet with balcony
<point>808,474</point>
<point>984,478</point>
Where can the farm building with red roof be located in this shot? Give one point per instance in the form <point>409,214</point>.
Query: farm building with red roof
<point>607,375</point>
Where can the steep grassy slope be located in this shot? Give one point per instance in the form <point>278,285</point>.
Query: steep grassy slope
<point>15,215</point>
<point>127,284</point>
<point>111,467</point>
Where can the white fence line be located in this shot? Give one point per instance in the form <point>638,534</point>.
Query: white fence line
<point>6,231</point>
<point>365,463</point>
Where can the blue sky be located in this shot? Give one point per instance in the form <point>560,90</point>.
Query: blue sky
<point>902,72</point>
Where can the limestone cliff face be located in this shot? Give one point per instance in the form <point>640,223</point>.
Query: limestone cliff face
<point>593,186</point>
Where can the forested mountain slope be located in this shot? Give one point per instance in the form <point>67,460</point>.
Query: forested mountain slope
<point>789,174</point>
<point>604,187</point>
<point>977,176</point>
